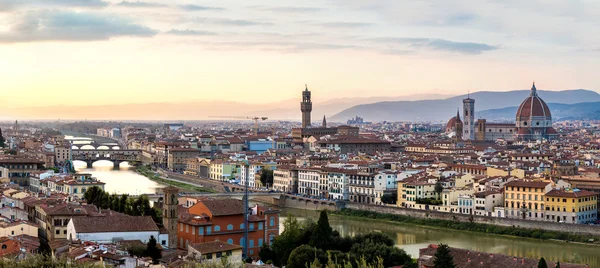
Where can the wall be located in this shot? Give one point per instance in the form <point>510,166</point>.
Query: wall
<point>305,203</point>
<point>548,226</point>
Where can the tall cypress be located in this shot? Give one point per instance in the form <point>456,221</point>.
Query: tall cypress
<point>542,263</point>
<point>322,234</point>
<point>2,140</point>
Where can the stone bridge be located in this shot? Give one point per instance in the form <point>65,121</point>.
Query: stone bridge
<point>237,195</point>
<point>115,156</point>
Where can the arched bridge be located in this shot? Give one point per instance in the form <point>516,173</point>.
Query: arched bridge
<point>115,156</point>
<point>237,195</point>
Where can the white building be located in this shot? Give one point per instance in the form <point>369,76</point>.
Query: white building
<point>109,229</point>
<point>385,181</point>
<point>338,185</point>
<point>308,182</point>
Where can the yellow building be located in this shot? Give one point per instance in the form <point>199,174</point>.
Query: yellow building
<point>18,228</point>
<point>571,206</point>
<point>525,199</point>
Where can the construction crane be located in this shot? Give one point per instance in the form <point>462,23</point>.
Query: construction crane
<point>254,118</point>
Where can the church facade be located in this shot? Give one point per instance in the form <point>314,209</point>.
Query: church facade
<point>533,122</point>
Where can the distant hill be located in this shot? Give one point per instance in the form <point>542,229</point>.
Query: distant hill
<point>436,110</point>
<point>559,111</point>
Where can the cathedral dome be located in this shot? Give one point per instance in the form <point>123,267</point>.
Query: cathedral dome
<point>533,106</point>
<point>451,125</point>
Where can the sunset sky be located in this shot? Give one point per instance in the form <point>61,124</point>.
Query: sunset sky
<point>65,52</point>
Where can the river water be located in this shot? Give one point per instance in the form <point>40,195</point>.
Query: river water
<point>411,238</point>
<point>121,181</point>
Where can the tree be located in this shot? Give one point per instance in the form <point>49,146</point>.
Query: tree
<point>438,189</point>
<point>304,255</point>
<point>443,259</point>
<point>2,140</point>
<point>376,245</point>
<point>557,264</point>
<point>542,263</point>
<point>389,198</point>
<point>266,177</point>
<point>152,250</point>
<point>323,233</point>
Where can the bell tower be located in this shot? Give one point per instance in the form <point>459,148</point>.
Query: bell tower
<point>468,119</point>
<point>306,108</point>
<point>170,213</point>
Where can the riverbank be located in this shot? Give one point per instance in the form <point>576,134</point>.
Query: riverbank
<point>472,227</point>
<point>143,170</point>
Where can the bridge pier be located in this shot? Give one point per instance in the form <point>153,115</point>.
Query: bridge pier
<point>89,163</point>
<point>116,164</point>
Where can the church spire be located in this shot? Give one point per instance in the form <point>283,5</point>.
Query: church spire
<point>305,87</point>
<point>457,114</point>
<point>533,90</point>
<point>324,122</point>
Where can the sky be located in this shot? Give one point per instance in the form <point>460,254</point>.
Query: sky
<point>98,52</point>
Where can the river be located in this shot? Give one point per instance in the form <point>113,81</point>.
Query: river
<point>121,181</point>
<point>411,238</point>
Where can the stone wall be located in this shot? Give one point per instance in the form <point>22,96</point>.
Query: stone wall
<point>548,226</point>
<point>307,203</point>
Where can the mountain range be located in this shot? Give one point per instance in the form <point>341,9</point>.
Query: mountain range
<point>489,105</point>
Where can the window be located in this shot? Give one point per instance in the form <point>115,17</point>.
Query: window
<point>217,228</point>
<point>57,232</point>
<point>3,246</point>
<point>242,242</point>
<point>251,226</point>
<point>272,221</point>
<point>229,241</point>
<point>208,230</point>
<point>181,227</point>
<point>209,256</point>
<point>64,231</point>
<point>229,227</point>
<point>219,254</point>
<point>228,253</point>
<point>242,226</point>
<point>187,229</point>
<point>200,230</point>
<point>164,242</point>
<point>260,226</point>
<point>260,242</point>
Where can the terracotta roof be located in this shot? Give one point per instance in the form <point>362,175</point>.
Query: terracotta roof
<point>533,105</point>
<point>114,224</point>
<point>214,247</point>
<point>527,183</point>
<point>572,194</point>
<point>224,207</point>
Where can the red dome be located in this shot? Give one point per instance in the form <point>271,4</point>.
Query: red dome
<point>452,123</point>
<point>551,131</point>
<point>533,106</point>
<point>524,131</point>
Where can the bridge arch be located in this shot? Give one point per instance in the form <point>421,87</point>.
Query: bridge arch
<point>116,148</point>
<point>74,147</point>
<point>87,147</point>
<point>103,147</point>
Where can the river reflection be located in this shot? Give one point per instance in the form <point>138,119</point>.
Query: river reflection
<point>121,181</point>
<point>411,238</point>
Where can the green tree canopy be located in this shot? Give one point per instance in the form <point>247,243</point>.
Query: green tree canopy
<point>322,234</point>
<point>266,177</point>
<point>390,198</point>
<point>443,259</point>
<point>152,250</point>
<point>438,189</point>
<point>304,255</point>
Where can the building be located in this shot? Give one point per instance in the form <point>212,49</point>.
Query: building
<point>19,169</point>
<point>469,119</point>
<point>339,188</point>
<point>285,179</point>
<point>109,229</point>
<point>214,252</point>
<point>571,206</point>
<point>308,181</point>
<point>170,214</point>
<point>306,108</point>
<point>177,158</point>
<point>355,145</point>
<point>223,220</point>
<point>533,120</point>
<point>525,199</point>
<point>464,258</point>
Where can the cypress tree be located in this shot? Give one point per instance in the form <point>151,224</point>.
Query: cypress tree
<point>443,259</point>
<point>152,250</point>
<point>2,141</point>
<point>322,234</point>
<point>542,263</point>
<point>558,264</point>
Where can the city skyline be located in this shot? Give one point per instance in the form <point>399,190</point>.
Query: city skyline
<point>94,52</point>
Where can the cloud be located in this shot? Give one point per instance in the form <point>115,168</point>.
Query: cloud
<point>10,5</point>
<point>199,8</point>
<point>439,44</point>
<point>294,9</point>
<point>231,22</point>
<point>345,24</point>
<point>139,4</point>
<point>188,32</point>
<point>36,26</point>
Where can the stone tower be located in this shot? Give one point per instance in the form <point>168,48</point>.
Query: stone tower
<point>170,213</point>
<point>324,122</point>
<point>458,127</point>
<point>306,108</point>
<point>468,119</point>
